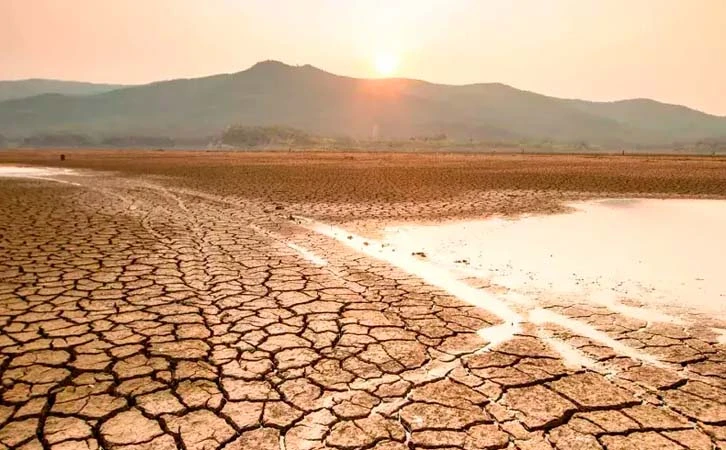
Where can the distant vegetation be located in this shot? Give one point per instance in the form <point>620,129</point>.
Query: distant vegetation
<point>708,145</point>
<point>441,137</point>
<point>285,138</point>
<point>58,140</point>
<point>316,103</point>
<point>137,141</point>
<point>244,136</point>
<point>84,140</point>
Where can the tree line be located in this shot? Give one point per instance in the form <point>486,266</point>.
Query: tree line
<point>276,137</point>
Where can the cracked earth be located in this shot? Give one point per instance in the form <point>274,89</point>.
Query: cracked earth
<point>136,314</point>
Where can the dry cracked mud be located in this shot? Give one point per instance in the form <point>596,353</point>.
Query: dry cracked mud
<point>136,313</point>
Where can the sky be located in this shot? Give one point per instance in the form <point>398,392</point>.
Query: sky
<point>670,50</point>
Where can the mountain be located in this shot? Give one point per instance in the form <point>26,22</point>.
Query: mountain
<point>307,98</point>
<point>10,90</point>
<point>664,121</point>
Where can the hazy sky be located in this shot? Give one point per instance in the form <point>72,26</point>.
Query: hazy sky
<point>670,50</point>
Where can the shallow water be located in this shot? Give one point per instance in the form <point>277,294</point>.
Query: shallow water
<point>32,172</point>
<point>658,252</point>
<point>604,252</point>
<point>38,173</point>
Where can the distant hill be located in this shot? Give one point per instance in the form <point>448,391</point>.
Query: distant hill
<point>10,90</point>
<point>304,97</point>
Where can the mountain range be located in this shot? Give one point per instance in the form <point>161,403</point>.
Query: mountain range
<point>304,97</point>
<point>10,90</point>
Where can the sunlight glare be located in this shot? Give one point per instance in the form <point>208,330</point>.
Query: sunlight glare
<point>386,64</point>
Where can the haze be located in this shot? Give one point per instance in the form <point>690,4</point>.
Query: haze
<point>597,50</point>
<point>340,224</point>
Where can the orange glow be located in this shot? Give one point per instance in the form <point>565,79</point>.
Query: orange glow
<point>386,64</point>
<point>668,50</point>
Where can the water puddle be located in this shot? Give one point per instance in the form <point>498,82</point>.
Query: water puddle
<point>37,173</point>
<point>634,257</point>
<point>653,252</point>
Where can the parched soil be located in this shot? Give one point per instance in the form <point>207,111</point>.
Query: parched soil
<point>346,186</point>
<point>167,300</point>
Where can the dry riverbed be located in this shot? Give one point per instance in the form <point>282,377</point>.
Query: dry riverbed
<point>153,300</point>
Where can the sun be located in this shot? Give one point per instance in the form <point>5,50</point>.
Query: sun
<point>386,64</point>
